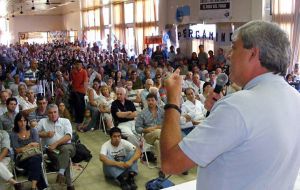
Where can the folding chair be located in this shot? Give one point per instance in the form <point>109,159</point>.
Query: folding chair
<point>145,147</point>
<point>102,124</point>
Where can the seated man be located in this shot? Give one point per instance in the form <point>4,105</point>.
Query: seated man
<point>57,133</point>
<point>119,159</point>
<point>7,119</point>
<point>193,112</point>
<point>40,112</point>
<point>124,112</point>
<point>149,122</point>
<point>5,174</point>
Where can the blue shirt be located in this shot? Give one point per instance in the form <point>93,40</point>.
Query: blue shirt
<point>250,139</point>
<point>145,119</point>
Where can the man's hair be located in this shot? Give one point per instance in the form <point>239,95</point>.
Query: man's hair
<point>51,106</point>
<point>10,100</point>
<point>78,61</point>
<point>189,88</point>
<point>40,98</point>
<point>121,89</point>
<point>272,41</point>
<point>151,95</point>
<point>96,80</point>
<point>114,130</point>
<point>22,84</point>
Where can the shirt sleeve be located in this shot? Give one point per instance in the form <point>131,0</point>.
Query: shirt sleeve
<point>14,141</point>
<point>128,146</point>
<point>132,106</point>
<point>216,135</point>
<point>35,135</point>
<point>68,127</point>
<point>104,149</point>
<point>114,109</point>
<point>139,123</point>
<point>5,140</point>
<point>1,125</point>
<point>39,126</point>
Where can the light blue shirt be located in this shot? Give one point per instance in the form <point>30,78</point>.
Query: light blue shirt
<point>251,139</point>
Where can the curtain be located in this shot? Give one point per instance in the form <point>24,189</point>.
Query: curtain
<point>119,22</point>
<point>287,15</point>
<point>146,21</point>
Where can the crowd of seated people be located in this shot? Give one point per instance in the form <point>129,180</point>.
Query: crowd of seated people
<point>87,83</point>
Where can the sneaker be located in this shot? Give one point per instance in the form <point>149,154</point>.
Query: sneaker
<point>71,187</point>
<point>18,186</point>
<point>131,182</point>
<point>125,186</point>
<point>60,178</point>
<point>161,174</point>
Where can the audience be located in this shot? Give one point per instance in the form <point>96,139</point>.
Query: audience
<point>82,72</point>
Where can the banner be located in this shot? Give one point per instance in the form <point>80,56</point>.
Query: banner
<point>218,10</point>
<point>153,39</point>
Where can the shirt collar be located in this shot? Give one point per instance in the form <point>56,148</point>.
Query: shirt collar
<point>266,76</point>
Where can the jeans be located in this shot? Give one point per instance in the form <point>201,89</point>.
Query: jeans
<point>114,172</point>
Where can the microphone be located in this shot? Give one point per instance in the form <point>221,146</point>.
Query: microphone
<point>222,79</point>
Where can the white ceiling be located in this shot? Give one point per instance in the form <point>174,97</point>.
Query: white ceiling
<point>10,8</point>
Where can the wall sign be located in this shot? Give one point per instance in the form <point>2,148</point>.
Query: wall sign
<point>215,10</point>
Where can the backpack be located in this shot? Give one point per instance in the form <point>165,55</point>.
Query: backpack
<point>159,183</point>
<point>75,137</point>
<point>82,153</point>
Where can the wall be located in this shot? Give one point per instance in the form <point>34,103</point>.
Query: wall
<point>34,24</point>
<point>72,21</point>
<point>241,11</point>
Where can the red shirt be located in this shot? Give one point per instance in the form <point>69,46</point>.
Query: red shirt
<point>79,77</point>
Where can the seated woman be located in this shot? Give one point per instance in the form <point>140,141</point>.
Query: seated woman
<point>22,138</point>
<point>93,94</point>
<point>63,111</point>
<point>104,106</point>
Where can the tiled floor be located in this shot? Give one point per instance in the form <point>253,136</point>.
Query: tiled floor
<point>93,179</point>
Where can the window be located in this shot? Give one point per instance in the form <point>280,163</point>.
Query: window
<point>126,21</point>
<point>286,14</point>
<point>208,44</point>
<point>106,16</point>
<point>129,13</point>
<point>91,18</point>
<point>130,38</point>
<point>97,17</point>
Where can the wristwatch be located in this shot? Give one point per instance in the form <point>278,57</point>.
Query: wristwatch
<point>172,106</point>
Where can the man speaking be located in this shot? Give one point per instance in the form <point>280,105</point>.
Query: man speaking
<point>251,139</point>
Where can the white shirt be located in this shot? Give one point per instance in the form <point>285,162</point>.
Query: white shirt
<point>195,111</point>
<point>117,152</point>
<point>61,128</point>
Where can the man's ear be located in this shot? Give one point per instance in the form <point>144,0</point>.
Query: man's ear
<point>255,53</point>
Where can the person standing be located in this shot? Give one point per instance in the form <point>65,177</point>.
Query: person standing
<point>79,79</point>
<point>253,146</point>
